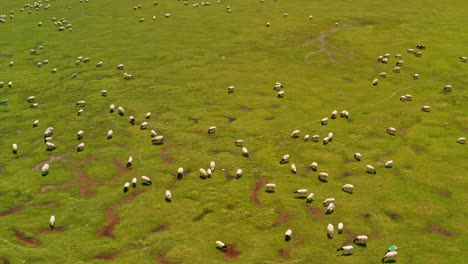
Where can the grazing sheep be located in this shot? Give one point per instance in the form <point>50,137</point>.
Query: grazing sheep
<point>306,138</point>
<point>130,162</point>
<point>344,114</point>
<point>287,235</point>
<point>104,93</point>
<point>362,239</point>
<point>144,125</point>
<point>295,133</point>
<point>383,74</point>
<point>310,197</point>
<point>126,187</point>
<point>208,173</point>
<point>415,76</point>
<point>48,132</point>
<point>418,54</point>
<point>358,156</point>
<point>50,146</point>
<point>408,97</point>
<point>121,110</point>
<point>389,164</point>
<point>212,166</point>
<point>399,63</point>
<point>11,63</point>
<point>80,134</point>
<point>239,142</point>
<point>461,140</point>
<point>326,140</point>
<point>120,67</point>
<point>278,86</point>
<point>293,168</point>
<point>167,15</point>
<point>375,82</point>
<point>231,89</point>
<point>203,173</point>
<point>180,173</point>
<point>45,169</point>
<point>391,131</point>
<point>285,14</point>
<point>284,159</point>
<point>311,17</point>
<point>330,230</point>
<point>315,138</point>
<point>334,114</point>
<point>396,70</point>
<point>35,123</point>
<point>134,182</point>
<point>280,94</point>
<point>47,139</point>
<point>411,51</point>
<point>220,245</point>
<point>398,56</point>
<point>80,147</point>
<point>346,250</point>
<point>340,228</point>
<point>146,180</point>
<point>157,140</point>
<point>110,133</point>
<point>447,88</point>
<point>168,196</point>
<point>268,24</point>
<point>111,108</point>
<point>10,84</point>
<point>328,201</point>
<point>245,152</point>
<point>238,173</point>
<point>80,112</point>
<point>270,187</point>
<point>426,108</point>
<point>131,120</point>
<point>31,99</point>
<point>370,169</point>
<point>99,64</point>
<point>349,188</point>
<point>314,166</point>
<point>402,98</point>
<point>323,176</point>
<point>128,76</point>
<point>389,256</point>
<point>324,121</point>
<point>421,47</point>
<point>148,115</point>
<point>142,20</point>
<point>153,133</point>
<point>330,208</point>
<point>330,136</point>
<point>463,58</point>
<point>15,148</point>
<point>211,130</point>
<point>301,192</point>
<point>85,60</point>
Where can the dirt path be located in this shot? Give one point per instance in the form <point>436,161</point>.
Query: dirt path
<point>256,191</point>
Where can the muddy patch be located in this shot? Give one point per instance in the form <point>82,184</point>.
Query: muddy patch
<point>107,255</point>
<point>232,252</point>
<point>26,239</point>
<point>121,169</point>
<point>393,216</point>
<point>446,194</point>
<point>283,217</point>
<point>433,228</point>
<point>86,185</point>
<point>112,221</point>
<point>283,253</point>
<point>55,186</point>
<point>51,159</point>
<point>315,212</point>
<point>230,119</point>
<point>200,216</point>
<point>12,211</point>
<point>159,228</point>
<point>418,149</point>
<point>269,118</point>
<point>256,190</point>
<point>4,260</point>
<point>164,156</point>
<point>245,109</point>
<point>347,174</point>
<point>348,79</point>
<point>50,204</point>
<point>161,259</point>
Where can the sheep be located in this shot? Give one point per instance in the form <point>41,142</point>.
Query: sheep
<point>146,180</point>
<point>130,162</point>
<point>315,138</point>
<point>212,166</point>
<point>346,249</point>
<point>287,235</point>
<point>168,196</point>
<point>411,51</point>
<point>121,110</point>
<point>80,147</point>
<point>144,125</point>
<point>408,97</point>
<point>306,138</point>
<point>370,169</point>
<point>396,69</point>
<point>383,74</point>
<point>157,140</point>
<point>10,84</point>
<point>461,140</point>
<point>104,93</point>
<point>340,228</point>
<point>295,133</point>
<point>426,108</point>
<point>284,159</point>
<point>39,64</point>
<point>111,108</point>
<point>47,139</point>
<point>245,152</point>
<point>180,173</point>
<point>314,166</point>
<point>334,114</point>
<point>45,169</point>
<point>418,54</point>
<point>231,89</point>
<point>328,201</point>
<point>285,14</point>
<point>120,67</point>
<point>35,105</point>
<point>15,148</point>
<point>330,208</point>
<point>220,245</point>
<point>128,76</point>
<point>110,133</point>
<point>402,98</point>
<point>293,168</point>
<point>463,58</point>
<point>310,197</point>
<point>375,82</point>
<point>167,15</point>
<point>50,146</point>
<point>323,176</point>
<point>48,133</point>
<point>311,17</point>
<point>389,164</point>
<point>99,64</point>
<point>52,222</point>
<point>85,60</point>
<point>268,24</point>
<point>270,187</point>
<point>358,156</point>
<point>362,239</point>
<point>326,140</point>
<point>330,230</point>
<point>131,120</point>
<point>399,63</point>
<point>330,136</point>
<point>447,88</point>
<point>142,20</point>
<point>301,192</point>
<point>148,115</point>
<point>239,142</point>
<point>278,86</point>
<point>389,256</point>
<point>415,76</point>
<point>31,99</point>
<point>421,47</point>
<point>154,17</point>
<point>349,188</point>
<point>238,173</point>
<point>324,121</point>
<point>126,187</point>
<point>11,63</point>
<point>208,173</point>
<point>280,94</point>
<point>80,112</point>
<point>134,182</point>
<point>398,56</point>
<point>344,114</point>
<point>391,131</point>
<point>211,130</point>
<point>35,123</point>
<point>78,62</point>
<point>203,173</point>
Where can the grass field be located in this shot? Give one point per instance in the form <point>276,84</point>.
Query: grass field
<point>182,67</point>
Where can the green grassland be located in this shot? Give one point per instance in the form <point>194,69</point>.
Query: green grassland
<point>182,67</point>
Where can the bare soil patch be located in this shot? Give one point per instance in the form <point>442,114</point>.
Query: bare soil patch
<point>12,211</point>
<point>86,184</point>
<point>347,174</point>
<point>315,212</point>
<point>51,230</point>
<point>256,190</point>
<point>50,160</point>
<point>446,194</point>
<point>283,217</point>
<point>418,149</point>
<point>393,216</point>
<point>230,119</point>
<point>434,228</point>
<point>112,221</point>
<point>55,186</point>
<point>121,169</point>
<point>51,204</point>
<point>200,216</point>
<point>164,156</point>
<point>107,255</point>
<point>160,228</point>
<point>232,252</point>
<point>4,260</point>
<point>161,259</point>
<point>283,253</point>
<point>29,240</point>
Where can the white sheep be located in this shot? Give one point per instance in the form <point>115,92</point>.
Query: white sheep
<point>231,89</point>
<point>370,169</point>
<point>280,94</point>
<point>270,187</point>
<point>35,123</point>
<point>144,125</point>
<point>80,147</point>
<point>180,173</point>
<point>418,54</point>
<point>80,112</point>
<point>330,208</point>
<point>35,105</point>
<point>130,162</point>
<point>31,99</point>
<point>126,187</point>
<point>168,196</point>
<point>287,235</point>
<point>239,142</point>
<point>134,182</point>
<point>54,70</point>
<point>346,249</point>
<point>99,64</point>
<point>411,51</point>
<point>375,82</point>
<point>349,188</point>
<point>361,239</point>
<point>10,84</point>
<point>396,69</point>
<point>148,115</point>
<point>11,63</point>
<point>314,166</point>
<point>245,152</point>
<point>324,121</point>
<point>47,139</point>
<point>50,146</point>
<point>408,97</point>
<point>315,138</point>
<point>167,15</point>
<point>52,221</point>
<point>284,159</point>
<point>120,67</point>
<point>391,131</point>
<point>306,138</point>
<point>45,169</point>
<point>415,76</point>
<point>157,140</point>
<point>208,173</point>
<point>383,74</point>
<point>111,108</point>
<point>344,114</point>
<point>330,136</point>
<point>463,58</point>
<point>389,164</point>
<point>110,133</point>
<point>328,201</point>
<point>121,110</point>
<point>301,192</point>
<point>131,120</point>
<point>15,148</point>
<point>211,130</point>
<point>268,24</point>
<point>391,255</point>
<point>326,140</point>
<point>310,198</point>
<point>426,108</point>
<point>293,168</point>
<point>447,88</point>
<point>212,166</point>
<point>80,134</point>
<point>399,63</point>
<point>334,114</point>
<point>103,92</point>
<point>146,180</point>
<point>220,245</point>
<point>461,140</point>
<point>153,133</point>
<point>142,20</point>
<point>203,173</point>
<point>295,133</point>
<point>357,156</point>
<point>238,173</point>
<point>402,98</point>
<point>330,230</point>
<point>340,228</point>
<point>323,176</point>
